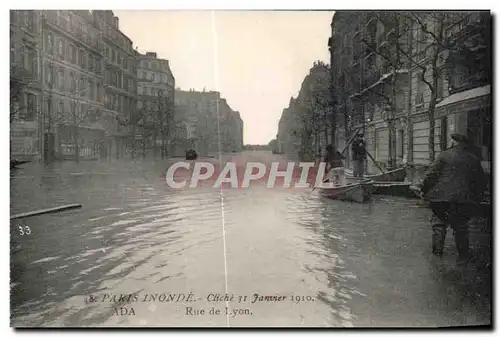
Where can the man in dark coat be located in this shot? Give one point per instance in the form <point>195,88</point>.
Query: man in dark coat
<point>358,155</point>
<point>454,185</point>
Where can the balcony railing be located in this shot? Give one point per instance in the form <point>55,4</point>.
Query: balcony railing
<point>462,24</point>
<point>74,31</point>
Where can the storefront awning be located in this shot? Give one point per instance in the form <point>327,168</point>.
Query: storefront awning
<point>465,95</point>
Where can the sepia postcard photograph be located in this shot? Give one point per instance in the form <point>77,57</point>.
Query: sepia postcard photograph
<point>250,168</point>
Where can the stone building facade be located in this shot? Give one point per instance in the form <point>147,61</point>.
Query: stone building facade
<point>62,111</point>
<point>209,122</point>
<point>155,104</point>
<point>25,84</point>
<point>74,120</point>
<point>378,84</point>
<point>120,96</point>
<point>306,125</point>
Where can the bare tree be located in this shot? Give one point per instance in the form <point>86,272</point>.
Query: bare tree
<point>164,117</point>
<point>392,51</point>
<point>20,79</point>
<point>431,43</point>
<point>79,113</point>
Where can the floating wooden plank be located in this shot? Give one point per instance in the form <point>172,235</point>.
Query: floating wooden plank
<point>45,211</point>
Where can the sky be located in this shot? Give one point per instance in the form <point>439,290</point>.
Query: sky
<point>256,59</point>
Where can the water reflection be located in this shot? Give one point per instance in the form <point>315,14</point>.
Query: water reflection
<point>364,264</point>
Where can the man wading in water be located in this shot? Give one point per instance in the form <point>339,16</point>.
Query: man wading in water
<point>454,185</point>
<point>334,168</point>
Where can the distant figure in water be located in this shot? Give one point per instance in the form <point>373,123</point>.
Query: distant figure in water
<point>191,155</point>
<point>334,166</point>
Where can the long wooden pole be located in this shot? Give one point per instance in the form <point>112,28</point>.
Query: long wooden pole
<point>369,155</point>
<point>45,211</point>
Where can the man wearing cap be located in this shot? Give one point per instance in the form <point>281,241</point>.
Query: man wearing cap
<point>359,155</point>
<point>454,185</point>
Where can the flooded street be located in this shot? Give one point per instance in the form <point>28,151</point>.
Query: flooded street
<point>332,263</point>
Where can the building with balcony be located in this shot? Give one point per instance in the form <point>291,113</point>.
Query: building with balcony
<point>155,103</point>
<point>370,81</point>
<point>73,116</point>
<point>25,84</point>
<point>463,88</point>
<point>378,61</point>
<point>120,80</point>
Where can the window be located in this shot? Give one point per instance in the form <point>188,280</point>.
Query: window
<point>460,76</point>
<point>72,53</point>
<point>419,98</point>
<point>91,62</point>
<point>50,43</point>
<point>61,79</point>
<point>48,108</point>
<point>48,75</point>
<point>98,90</point>
<point>153,65</point>
<point>81,89</point>
<point>31,107</point>
<point>81,61</point>
<point>97,65</point>
<point>72,82</point>
<point>60,111</point>
<point>90,89</point>
<point>118,58</point>
<point>143,74</point>
<point>72,108</point>
<point>60,48</point>
<point>139,90</point>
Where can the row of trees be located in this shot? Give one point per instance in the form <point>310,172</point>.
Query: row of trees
<point>152,121</point>
<point>148,124</point>
<point>310,121</point>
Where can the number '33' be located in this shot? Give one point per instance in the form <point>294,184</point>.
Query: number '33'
<point>24,230</point>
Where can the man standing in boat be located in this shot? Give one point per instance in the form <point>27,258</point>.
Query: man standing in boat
<point>359,155</point>
<point>454,185</point>
<point>334,166</point>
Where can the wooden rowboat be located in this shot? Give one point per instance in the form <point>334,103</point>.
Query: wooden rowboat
<point>398,174</point>
<point>355,190</point>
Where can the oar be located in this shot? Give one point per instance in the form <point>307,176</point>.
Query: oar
<point>45,211</point>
